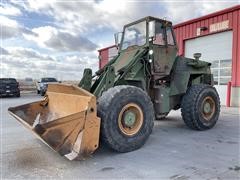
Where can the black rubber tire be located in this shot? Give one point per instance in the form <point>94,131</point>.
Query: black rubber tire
<point>18,95</point>
<point>191,103</point>
<point>109,106</point>
<point>38,92</point>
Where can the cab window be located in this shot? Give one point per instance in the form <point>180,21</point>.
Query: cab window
<point>170,40</point>
<point>159,31</point>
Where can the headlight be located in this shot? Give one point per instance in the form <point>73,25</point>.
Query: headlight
<point>43,86</point>
<point>151,52</point>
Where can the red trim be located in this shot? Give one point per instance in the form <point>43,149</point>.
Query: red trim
<point>237,58</point>
<point>228,100</point>
<point>104,58</point>
<point>106,48</point>
<point>236,50</point>
<point>224,11</point>
<point>195,37</point>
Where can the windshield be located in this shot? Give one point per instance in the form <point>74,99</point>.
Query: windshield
<point>7,81</point>
<point>134,35</point>
<point>48,80</point>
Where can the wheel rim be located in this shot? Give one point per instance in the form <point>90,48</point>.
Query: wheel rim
<point>130,119</point>
<point>208,108</point>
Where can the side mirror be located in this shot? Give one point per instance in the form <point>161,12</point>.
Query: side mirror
<point>151,29</point>
<point>118,37</point>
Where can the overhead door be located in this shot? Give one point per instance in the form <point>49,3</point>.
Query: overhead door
<point>217,49</point>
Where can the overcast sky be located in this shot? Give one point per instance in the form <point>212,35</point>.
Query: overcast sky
<point>61,38</point>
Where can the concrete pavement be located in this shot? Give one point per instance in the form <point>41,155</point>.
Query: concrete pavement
<point>172,152</point>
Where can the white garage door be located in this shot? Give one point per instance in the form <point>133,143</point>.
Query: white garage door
<point>217,49</point>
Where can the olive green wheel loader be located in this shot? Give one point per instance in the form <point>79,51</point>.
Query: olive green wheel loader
<point>119,103</point>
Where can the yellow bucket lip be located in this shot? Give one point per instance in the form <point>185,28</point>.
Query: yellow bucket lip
<point>21,121</point>
<point>52,88</point>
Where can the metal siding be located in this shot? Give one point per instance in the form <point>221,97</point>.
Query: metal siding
<point>188,30</point>
<point>191,30</point>
<point>104,58</point>
<point>206,25</point>
<point>184,32</point>
<point>236,49</point>
<point>230,19</point>
<point>219,18</point>
<point>224,11</point>
<point>224,17</point>
<point>202,25</point>
<point>194,27</point>
<point>180,42</point>
<point>238,52</point>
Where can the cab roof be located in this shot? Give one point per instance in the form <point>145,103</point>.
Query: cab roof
<point>147,18</point>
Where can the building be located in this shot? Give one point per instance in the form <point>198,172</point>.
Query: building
<point>106,54</point>
<point>217,37</point>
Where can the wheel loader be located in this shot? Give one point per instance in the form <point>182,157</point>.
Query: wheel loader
<point>119,103</point>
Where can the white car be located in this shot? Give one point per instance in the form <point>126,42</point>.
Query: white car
<point>43,83</point>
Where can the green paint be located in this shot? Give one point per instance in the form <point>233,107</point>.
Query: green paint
<point>129,118</point>
<point>162,74</point>
<point>207,107</point>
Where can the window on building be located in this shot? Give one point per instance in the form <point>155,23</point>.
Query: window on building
<point>222,71</point>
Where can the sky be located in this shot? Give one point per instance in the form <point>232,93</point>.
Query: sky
<point>59,38</point>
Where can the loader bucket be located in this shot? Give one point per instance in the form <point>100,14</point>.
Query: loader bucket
<point>65,120</point>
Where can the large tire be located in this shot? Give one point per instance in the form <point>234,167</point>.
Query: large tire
<point>118,104</point>
<point>200,107</point>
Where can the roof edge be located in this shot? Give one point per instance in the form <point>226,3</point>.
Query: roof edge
<point>106,48</point>
<point>223,11</point>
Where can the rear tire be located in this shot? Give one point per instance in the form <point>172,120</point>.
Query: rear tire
<point>200,107</point>
<point>127,117</point>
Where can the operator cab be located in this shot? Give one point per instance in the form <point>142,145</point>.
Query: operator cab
<point>155,34</point>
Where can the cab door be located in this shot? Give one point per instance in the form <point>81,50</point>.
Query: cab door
<point>164,49</point>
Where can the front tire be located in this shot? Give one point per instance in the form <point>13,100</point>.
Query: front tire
<point>127,117</point>
<point>200,107</point>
